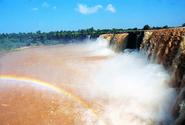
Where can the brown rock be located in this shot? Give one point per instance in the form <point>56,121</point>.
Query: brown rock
<point>118,42</point>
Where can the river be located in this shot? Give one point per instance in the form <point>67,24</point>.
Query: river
<point>82,84</point>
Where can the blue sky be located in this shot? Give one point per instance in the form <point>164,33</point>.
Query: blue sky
<point>49,15</point>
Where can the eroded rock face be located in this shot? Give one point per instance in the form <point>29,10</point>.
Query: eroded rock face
<point>121,41</point>
<point>135,39</point>
<point>179,108</point>
<point>118,42</point>
<point>167,47</point>
<point>108,37</point>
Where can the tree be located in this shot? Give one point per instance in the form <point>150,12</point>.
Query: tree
<point>146,27</point>
<point>165,27</point>
<point>38,32</point>
<point>183,24</point>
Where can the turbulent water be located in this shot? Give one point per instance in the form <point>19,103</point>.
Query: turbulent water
<point>82,84</point>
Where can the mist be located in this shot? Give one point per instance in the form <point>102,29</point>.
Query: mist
<point>135,89</point>
<point>123,88</point>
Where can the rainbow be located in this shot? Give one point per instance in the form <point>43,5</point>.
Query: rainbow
<point>52,87</point>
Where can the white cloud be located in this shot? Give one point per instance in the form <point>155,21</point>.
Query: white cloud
<point>84,9</point>
<point>45,4</point>
<point>35,9</point>
<point>111,8</point>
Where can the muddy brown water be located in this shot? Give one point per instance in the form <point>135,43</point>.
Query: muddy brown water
<point>82,84</point>
<point>65,67</point>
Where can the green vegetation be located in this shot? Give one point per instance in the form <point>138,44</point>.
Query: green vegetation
<point>16,40</point>
<point>146,27</point>
<point>12,40</point>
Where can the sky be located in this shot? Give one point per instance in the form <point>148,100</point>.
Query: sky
<point>51,15</point>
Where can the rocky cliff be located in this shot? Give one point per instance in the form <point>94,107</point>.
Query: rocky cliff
<point>166,47</point>
<point>119,42</point>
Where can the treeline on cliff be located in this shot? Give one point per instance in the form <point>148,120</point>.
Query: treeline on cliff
<point>10,41</point>
<point>15,40</point>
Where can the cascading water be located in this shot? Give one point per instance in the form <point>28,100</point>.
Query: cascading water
<point>120,89</point>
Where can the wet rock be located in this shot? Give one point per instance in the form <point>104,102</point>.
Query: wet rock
<point>118,42</point>
<point>179,109</point>
<point>166,47</point>
<point>108,37</point>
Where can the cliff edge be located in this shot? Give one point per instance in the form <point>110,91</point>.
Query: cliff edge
<point>166,47</point>
<point>117,42</point>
